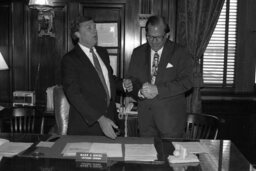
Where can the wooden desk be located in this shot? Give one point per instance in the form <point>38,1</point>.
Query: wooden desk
<point>224,156</point>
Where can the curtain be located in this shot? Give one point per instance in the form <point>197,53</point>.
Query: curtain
<point>196,21</point>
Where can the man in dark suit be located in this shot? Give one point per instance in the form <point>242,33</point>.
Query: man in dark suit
<point>89,83</point>
<point>161,72</point>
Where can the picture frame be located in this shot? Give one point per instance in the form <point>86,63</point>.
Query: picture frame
<point>107,34</point>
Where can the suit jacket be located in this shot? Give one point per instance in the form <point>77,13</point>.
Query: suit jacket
<point>85,92</point>
<point>174,78</point>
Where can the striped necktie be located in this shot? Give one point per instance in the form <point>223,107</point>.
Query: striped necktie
<point>100,73</point>
<point>154,68</point>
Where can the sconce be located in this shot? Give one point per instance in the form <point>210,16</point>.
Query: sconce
<point>45,17</point>
<point>3,65</point>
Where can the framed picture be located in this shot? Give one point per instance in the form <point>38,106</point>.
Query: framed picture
<point>107,34</point>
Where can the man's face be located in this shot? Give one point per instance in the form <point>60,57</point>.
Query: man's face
<point>87,34</point>
<point>156,36</point>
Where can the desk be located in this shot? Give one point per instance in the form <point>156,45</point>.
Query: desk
<point>225,157</point>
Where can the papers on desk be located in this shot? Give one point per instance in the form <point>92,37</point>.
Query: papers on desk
<point>9,149</point>
<point>140,152</point>
<point>192,147</point>
<point>111,149</point>
<point>2,141</point>
<point>46,144</point>
<point>183,152</point>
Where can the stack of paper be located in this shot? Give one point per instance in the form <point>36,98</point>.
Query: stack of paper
<point>111,149</point>
<point>192,147</point>
<point>140,152</point>
<point>9,149</point>
<point>185,152</point>
<point>2,141</point>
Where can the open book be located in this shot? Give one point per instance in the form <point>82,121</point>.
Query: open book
<point>9,149</point>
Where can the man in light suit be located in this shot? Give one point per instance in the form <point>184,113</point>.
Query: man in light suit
<point>89,84</point>
<point>161,72</point>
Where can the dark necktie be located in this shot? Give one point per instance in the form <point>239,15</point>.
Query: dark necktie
<point>154,68</point>
<point>100,73</point>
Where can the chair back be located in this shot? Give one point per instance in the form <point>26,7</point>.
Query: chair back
<point>61,110</point>
<point>201,126</point>
<point>24,120</point>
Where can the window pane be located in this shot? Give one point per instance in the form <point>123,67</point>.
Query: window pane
<point>219,57</point>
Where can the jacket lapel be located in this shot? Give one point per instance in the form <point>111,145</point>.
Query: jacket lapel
<point>165,58</point>
<point>148,62</point>
<point>87,64</point>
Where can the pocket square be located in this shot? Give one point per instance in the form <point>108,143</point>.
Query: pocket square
<point>169,65</point>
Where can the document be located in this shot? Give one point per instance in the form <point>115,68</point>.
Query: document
<point>72,148</point>
<point>45,144</point>
<point>140,152</point>
<point>9,149</point>
<point>192,147</point>
<point>111,149</point>
<point>2,141</point>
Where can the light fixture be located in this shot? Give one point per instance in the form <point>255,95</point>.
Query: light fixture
<point>45,16</point>
<point>3,65</point>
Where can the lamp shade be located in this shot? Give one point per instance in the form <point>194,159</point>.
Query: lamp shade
<point>3,65</point>
<point>41,5</point>
<point>39,2</point>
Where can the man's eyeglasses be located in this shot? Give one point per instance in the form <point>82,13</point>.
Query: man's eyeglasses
<point>157,38</point>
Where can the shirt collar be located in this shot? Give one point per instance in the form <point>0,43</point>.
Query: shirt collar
<point>85,49</point>
<point>159,51</point>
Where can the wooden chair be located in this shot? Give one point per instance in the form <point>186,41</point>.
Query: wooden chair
<point>202,126</point>
<point>26,120</point>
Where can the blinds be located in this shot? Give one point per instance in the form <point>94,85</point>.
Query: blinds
<point>218,63</point>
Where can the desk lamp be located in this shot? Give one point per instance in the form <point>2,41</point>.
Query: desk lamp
<point>3,65</point>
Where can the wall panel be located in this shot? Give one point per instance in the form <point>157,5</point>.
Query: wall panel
<point>6,50</point>
<point>45,52</point>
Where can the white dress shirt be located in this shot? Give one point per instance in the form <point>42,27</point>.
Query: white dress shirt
<point>102,65</point>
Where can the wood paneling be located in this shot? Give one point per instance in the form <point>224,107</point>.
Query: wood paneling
<point>239,116</point>
<point>45,52</point>
<point>6,50</point>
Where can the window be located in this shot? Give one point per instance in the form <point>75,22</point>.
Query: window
<point>218,63</point>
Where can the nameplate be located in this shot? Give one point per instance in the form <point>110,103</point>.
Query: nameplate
<point>91,157</point>
<point>91,165</point>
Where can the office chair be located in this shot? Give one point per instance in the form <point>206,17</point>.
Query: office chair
<point>201,126</point>
<point>24,120</point>
<point>61,110</point>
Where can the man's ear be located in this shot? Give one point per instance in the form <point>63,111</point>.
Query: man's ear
<point>77,34</point>
<point>167,35</point>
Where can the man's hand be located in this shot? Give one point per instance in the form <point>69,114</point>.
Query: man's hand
<point>107,126</point>
<point>127,83</point>
<point>149,91</point>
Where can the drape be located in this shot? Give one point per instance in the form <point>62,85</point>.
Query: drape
<point>196,21</point>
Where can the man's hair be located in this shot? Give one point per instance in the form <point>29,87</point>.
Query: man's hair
<point>156,20</point>
<point>75,27</point>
